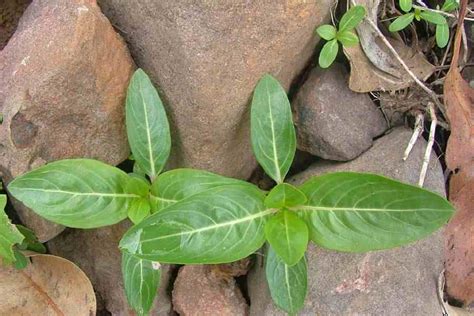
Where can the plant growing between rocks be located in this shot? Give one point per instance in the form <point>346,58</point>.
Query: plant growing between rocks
<point>188,216</point>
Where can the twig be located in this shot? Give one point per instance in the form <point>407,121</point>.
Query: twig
<point>415,135</point>
<point>430,92</point>
<point>429,146</point>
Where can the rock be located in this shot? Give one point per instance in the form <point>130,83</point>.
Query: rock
<point>207,56</point>
<point>332,121</point>
<point>400,281</point>
<point>63,78</point>
<point>10,13</point>
<point>96,252</point>
<point>199,291</point>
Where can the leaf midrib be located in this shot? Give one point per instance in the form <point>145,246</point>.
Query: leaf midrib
<point>358,209</point>
<point>275,154</point>
<point>119,195</point>
<point>216,226</point>
<point>148,135</point>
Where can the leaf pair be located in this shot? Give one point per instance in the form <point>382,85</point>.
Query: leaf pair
<point>345,35</point>
<point>442,28</point>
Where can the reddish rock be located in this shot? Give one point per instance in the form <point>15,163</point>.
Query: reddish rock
<point>200,291</point>
<point>63,78</point>
<point>96,252</point>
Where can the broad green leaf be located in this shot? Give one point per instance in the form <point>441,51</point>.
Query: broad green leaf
<point>138,210</point>
<point>442,35</point>
<point>401,22</point>
<point>176,185</point>
<point>352,18</point>
<point>20,260</point>
<point>406,5</point>
<point>359,212</point>
<point>9,234</point>
<point>141,280</point>
<point>30,242</point>
<point>79,193</point>
<point>147,125</point>
<point>328,53</point>
<point>433,17</point>
<point>449,6</point>
<point>326,31</point>
<point>219,225</point>
<point>283,195</point>
<point>288,285</point>
<point>288,236</point>
<point>347,38</point>
<point>272,130</point>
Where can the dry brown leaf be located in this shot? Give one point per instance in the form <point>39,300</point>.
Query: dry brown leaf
<point>50,285</point>
<point>459,102</point>
<point>373,67</point>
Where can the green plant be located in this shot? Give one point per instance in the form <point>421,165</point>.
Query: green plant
<point>14,239</point>
<point>344,35</point>
<point>187,216</point>
<point>421,13</point>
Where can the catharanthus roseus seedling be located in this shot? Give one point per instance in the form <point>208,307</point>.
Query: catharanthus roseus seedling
<point>429,16</point>
<point>344,34</point>
<point>188,216</point>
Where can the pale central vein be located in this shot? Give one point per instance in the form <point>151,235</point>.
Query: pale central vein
<point>275,155</point>
<point>83,193</point>
<point>148,135</point>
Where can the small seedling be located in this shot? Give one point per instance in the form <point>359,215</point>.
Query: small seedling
<point>421,13</point>
<point>344,35</point>
<point>188,216</point>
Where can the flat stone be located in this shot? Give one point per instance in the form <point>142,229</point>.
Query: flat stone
<point>207,56</point>
<point>63,79</point>
<point>400,281</point>
<point>332,121</point>
<point>96,252</point>
<point>199,290</point>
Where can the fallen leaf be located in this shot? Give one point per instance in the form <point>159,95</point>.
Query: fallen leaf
<point>373,66</point>
<point>459,102</point>
<point>49,285</point>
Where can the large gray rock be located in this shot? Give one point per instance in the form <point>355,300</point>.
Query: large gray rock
<point>332,121</point>
<point>401,281</point>
<point>207,56</point>
<point>63,78</point>
<point>96,252</point>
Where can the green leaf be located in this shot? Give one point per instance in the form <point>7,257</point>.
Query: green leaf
<point>406,5</point>
<point>219,225</point>
<point>20,260</point>
<point>328,53</point>
<point>288,285</point>
<point>273,133</point>
<point>147,125</point>
<point>433,17</point>
<point>442,35</point>
<point>283,195</point>
<point>326,31</point>
<point>79,193</point>
<point>347,38</point>
<point>9,234</point>
<point>417,14</point>
<point>401,22</point>
<point>449,6</point>
<point>359,212</point>
<point>288,236</point>
<point>141,280</point>
<point>31,241</point>
<point>352,18</point>
<point>139,209</point>
<point>176,185</point>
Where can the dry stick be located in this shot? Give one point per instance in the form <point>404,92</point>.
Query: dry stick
<point>429,146</point>
<point>415,135</point>
<point>430,92</point>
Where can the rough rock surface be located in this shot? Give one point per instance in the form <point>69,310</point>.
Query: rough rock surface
<point>96,252</point>
<point>63,78</point>
<point>207,56</point>
<point>401,281</point>
<point>198,290</point>
<point>332,121</point>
